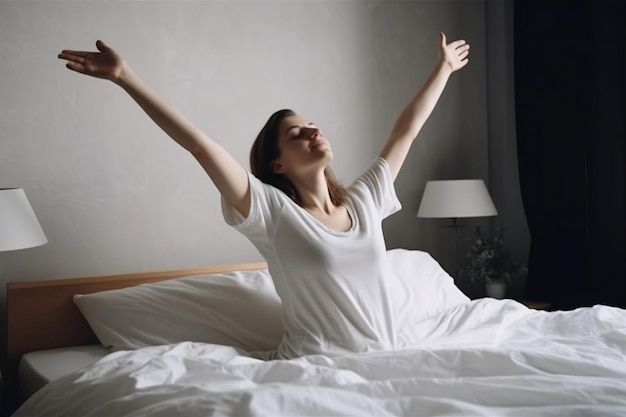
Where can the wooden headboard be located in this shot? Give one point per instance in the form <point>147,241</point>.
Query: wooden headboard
<point>42,314</point>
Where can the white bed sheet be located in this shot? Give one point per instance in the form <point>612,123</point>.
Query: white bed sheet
<point>488,357</point>
<point>38,368</point>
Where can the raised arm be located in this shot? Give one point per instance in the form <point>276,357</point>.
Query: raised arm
<point>452,57</point>
<point>229,177</point>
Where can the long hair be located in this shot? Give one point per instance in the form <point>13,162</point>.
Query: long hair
<point>265,150</point>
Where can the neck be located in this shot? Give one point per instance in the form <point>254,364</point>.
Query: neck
<point>313,193</point>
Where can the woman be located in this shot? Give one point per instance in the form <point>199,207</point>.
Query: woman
<point>323,244</point>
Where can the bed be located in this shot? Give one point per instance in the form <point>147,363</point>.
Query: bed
<point>192,342</point>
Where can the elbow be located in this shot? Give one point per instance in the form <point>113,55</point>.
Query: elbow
<point>407,130</point>
<point>404,135</point>
<point>197,151</point>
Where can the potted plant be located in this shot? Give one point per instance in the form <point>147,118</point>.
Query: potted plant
<point>489,263</point>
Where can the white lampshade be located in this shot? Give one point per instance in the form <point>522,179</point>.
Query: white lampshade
<point>19,227</point>
<point>456,198</point>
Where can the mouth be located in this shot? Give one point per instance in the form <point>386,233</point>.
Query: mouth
<point>318,143</point>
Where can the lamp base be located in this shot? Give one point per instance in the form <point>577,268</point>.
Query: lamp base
<point>455,223</point>
<point>456,226</point>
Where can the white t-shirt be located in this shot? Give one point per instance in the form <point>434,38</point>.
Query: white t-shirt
<point>332,284</point>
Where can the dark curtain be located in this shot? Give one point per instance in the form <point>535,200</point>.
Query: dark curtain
<point>570,97</point>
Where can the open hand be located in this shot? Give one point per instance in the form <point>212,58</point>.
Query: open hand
<point>455,54</point>
<point>105,64</point>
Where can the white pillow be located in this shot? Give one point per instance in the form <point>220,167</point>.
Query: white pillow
<point>242,309</point>
<point>239,309</point>
<point>420,288</point>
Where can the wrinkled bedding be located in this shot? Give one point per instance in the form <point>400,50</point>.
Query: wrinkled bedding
<point>486,357</point>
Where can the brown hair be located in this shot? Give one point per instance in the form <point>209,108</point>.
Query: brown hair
<point>265,150</point>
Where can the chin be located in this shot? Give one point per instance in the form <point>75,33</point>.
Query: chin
<point>323,161</point>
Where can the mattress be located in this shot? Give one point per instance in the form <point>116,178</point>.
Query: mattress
<point>38,368</point>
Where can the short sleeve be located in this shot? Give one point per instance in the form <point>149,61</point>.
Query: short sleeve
<point>377,180</point>
<point>265,202</point>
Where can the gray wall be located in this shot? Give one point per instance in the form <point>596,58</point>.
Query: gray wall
<point>114,194</point>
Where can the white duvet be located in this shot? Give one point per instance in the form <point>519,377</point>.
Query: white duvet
<point>488,357</point>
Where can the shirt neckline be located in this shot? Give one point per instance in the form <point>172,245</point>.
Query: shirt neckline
<point>353,219</point>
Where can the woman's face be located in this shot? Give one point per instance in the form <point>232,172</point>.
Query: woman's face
<point>302,147</point>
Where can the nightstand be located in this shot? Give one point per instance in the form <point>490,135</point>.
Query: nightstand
<point>536,305</point>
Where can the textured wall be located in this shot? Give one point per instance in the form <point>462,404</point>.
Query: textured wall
<point>114,194</point>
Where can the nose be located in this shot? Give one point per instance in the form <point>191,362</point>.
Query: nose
<point>313,132</point>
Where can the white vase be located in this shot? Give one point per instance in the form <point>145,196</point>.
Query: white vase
<point>496,289</point>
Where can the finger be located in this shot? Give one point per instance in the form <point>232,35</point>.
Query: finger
<point>442,39</point>
<point>458,43</point>
<point>68,52</point>
<point>71,57</point>
<point>102,47</point>
<point>74,66</point>
<point>463,55</point>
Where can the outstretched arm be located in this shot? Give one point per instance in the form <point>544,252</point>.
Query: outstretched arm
<point>229,177</point>
<point>452,57</point>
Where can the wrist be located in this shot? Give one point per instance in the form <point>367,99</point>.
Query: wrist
<point>444,68</point>
<point>124,76</point>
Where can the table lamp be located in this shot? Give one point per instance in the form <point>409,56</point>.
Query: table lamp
<point>454,199</point>
<point>19,227</point>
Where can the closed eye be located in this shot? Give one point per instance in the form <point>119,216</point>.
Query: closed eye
<point>297,132</point>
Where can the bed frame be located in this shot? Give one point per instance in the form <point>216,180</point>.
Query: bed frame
<point>42,315</point>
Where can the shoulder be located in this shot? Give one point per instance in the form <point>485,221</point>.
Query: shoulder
<point>376,187</point>
<point>377,172</point>
<point>265,201</point>
<point>259,187</point>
